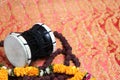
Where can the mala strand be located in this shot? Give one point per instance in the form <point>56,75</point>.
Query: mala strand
<point>67,50</point>
<point>51,57</point>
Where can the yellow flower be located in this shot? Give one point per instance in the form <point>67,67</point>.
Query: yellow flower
<point>32,71</point>
<point>78,76</point>
<point>27,71</point>
<point>71,70</point>
<point>3,74</point>
<point>93,78</point>
<point>19,71</point>
<point>59,68</point>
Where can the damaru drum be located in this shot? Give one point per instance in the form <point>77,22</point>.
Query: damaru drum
<point>22,48</point>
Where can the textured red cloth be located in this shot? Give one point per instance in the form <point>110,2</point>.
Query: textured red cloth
<point>92,27</point>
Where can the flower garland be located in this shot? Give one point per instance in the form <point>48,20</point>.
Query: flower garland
<point>36,71</point>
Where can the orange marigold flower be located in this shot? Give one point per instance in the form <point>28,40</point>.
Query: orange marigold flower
<point>78,76</point>
<point>93,78</point>
<point>19,71</point>
<point>71,70</point>
<point>3,74</point>
<point>27,71</point>
<point>32,71</point>
<point>59,68</point>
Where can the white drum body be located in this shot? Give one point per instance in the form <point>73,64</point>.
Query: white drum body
<point>17,53</point>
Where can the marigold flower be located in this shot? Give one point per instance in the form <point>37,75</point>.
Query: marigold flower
<point>59,68</point>
<point>19,71</point>
<point>77,76</point>
<point>3,74</point>
<point>93,78</point>
<point>32,71</point>
<point>27,71</point>
<point>71,70</point>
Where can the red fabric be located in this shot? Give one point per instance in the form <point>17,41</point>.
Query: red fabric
<point>92,27</point>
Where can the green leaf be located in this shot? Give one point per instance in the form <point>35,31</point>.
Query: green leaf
<point>1,65</point>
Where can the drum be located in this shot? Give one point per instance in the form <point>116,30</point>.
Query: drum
<point>30,45</point>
